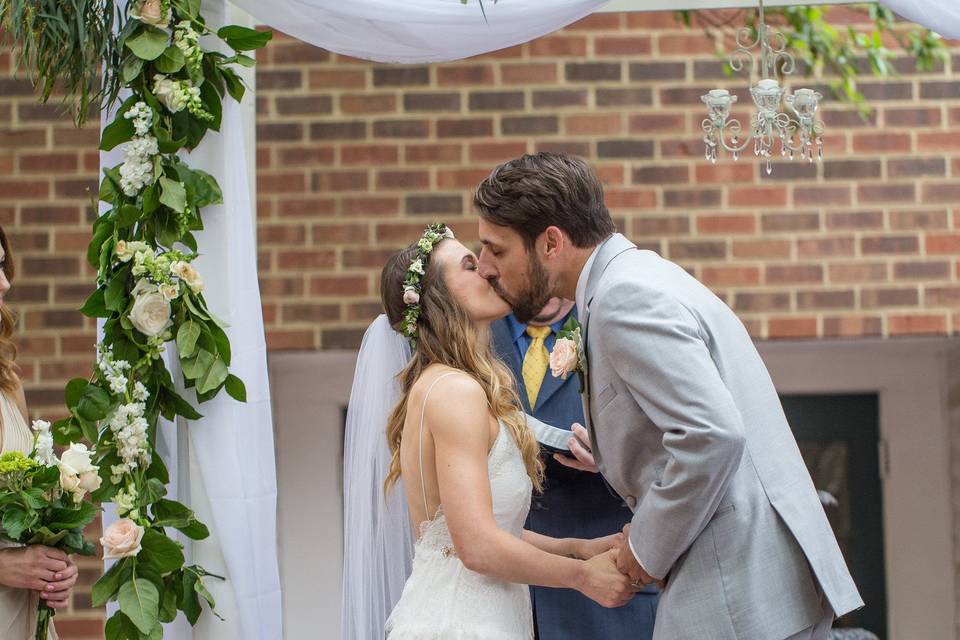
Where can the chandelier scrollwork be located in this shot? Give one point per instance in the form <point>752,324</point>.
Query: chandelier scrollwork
<point>798,134</point>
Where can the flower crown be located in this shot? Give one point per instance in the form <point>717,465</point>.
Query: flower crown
<point>411,282</point>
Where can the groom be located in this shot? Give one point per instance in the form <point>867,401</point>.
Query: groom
<point>684,419</point>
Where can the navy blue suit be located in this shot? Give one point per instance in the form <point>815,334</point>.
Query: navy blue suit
<point>574,504</point>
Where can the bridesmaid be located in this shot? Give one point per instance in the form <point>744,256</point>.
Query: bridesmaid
<point>32,572</point>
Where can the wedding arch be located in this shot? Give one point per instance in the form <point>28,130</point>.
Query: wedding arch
<point>178,404</point>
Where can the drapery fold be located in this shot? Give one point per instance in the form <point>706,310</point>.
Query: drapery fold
<point>942,16</point>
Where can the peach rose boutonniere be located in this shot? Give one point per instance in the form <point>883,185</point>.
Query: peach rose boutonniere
<point>567,354</point>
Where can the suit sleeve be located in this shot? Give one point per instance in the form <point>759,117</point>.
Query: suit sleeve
<point>657,350</point>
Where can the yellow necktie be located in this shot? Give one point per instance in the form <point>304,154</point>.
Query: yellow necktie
<point>535,362</point>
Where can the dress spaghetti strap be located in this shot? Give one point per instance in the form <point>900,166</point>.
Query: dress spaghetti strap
<point>423,411</point>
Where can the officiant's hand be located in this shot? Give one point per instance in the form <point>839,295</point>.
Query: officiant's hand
<point>586,549</point>
<point>602,583</point>
<point>580,447</point>
<point>628,565</point>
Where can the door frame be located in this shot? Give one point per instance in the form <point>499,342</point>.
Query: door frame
<point>912,379</point>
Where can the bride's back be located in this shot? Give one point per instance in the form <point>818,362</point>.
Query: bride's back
<point>430,390</point>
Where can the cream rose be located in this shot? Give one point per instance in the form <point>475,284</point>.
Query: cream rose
<point>169,291</point>
<point>410,296</point>
<point>151,310</point>
<point>151,12</point>
<point>168,92</point>
<point>121,539</point>
<point>77,474</point>
<point>125,251</point>
<point>186,272</point>
<point>563,358</point>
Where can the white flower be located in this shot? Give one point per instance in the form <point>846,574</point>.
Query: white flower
<point>169,93</point>
<point>410,295</point>
<point>78,475</point>
<point>170,291</point>
<point>44,444</point>
<point>118,384</point>
<point>140,392</point>
<point>151,12</point>
<point>151,310</point>
<point>142,117</point>
<point>448,233</point>
<point>564,358</point>
<point>125,251</point>
<point>186,272</point>
<point>121,539</point>
<point>416,266</point>
<point>125,500</point>
<point>137,169</point>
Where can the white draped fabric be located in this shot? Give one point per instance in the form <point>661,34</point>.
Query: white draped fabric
<point>942,16</point>
<point>409,31</point>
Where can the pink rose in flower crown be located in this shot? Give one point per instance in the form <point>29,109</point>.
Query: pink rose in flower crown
<point>410,296</point>
<point>121,539</point>
<point>564,358</point>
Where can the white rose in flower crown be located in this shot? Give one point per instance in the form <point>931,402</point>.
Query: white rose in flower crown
<point>151,310</point>
<point>564,358</point>
<point>186,272</point>
<point>410,296</point>
<point>121,539</point>
<point>151,12</point>
<point>168,92</point>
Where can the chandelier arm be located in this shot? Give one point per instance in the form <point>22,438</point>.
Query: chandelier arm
<point>719,135</point>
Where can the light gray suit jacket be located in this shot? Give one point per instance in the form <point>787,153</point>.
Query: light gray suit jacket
<point>687,427</point>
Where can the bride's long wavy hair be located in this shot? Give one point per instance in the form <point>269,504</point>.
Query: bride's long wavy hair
<point>446,335</point>
<point>8,350</point>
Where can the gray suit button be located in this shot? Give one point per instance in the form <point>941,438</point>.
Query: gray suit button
<point>631,502</point>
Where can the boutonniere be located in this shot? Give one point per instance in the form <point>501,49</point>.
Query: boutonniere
<point>567,355</point>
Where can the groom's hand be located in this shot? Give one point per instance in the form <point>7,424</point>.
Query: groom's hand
<point>628,565</point>
<point>579,447</point>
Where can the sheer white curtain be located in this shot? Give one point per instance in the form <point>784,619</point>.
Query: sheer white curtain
<point>942,16</point>
<point>417,30</point>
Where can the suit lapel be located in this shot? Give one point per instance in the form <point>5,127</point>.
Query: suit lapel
<point>609,250</point>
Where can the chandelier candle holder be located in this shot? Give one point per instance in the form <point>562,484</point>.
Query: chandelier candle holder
<point>800,134</point>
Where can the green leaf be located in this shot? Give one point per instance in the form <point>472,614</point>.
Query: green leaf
<point>102,229</point>
<point>181,407</point>
<point>212,377</point>
<point>202,188</point>
<point>95,306</point>
<point>189,601</point>
<point>168,603</point>
<point>193,367</point>
<point>187,8</point>
<point>236,388</point>
<point>94,404</point>
<point>140,601</point>
<point>244,39</point>
<point>153,491</point>
<point>222,341</point>
<point>148,45</point>
<point>169,513</point>
<point>212,103</point>
<point>132,67</point>
<point>119,627</point>
<point>170,61</point>
<point>73,392</point>
<point>14,523</point>
<point>105,589</point>
<point>127,215</point>
<point>187,336</point>
<point>66,431</point>
<point>163,553</point>
<point>173,194</point>
<point>203,593</point>
<point>121,129</point>
<point>235,86</point>
<point>115,296</point>
<point>166,143</point>
<point>110,190</point>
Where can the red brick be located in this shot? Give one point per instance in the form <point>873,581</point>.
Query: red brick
<point>282,286</point>
<point>337,79</point>
<point>660,225</point>
<point>917,324</point>
<point>691,198</point>
<point>884,193</point>
<point>20,189</point>
<point>947,193</point>
<point>464,127</point>
<point>943,243</point>
<point>621,45</point>
<point>885,142</point>
<point>650,122</point>
<point>733,276</point>
<point>826,247</point>
<point>281,234</point>
<point>761,301</point>
<point>793,274</point>
<point>48,162</point>
<point>660,174</point>
<point>364,103</point>
<point>929,270</point>
<point>631,198</point>
<point>301,156</point>
<point>889,244</point>
<point>529,73</point>
<point>686,44</point>
<point>855,220</point>
<point>594,124</point>
<point>942,297</point>
<point>726,173</point>
<point>287,339</point>
<point>356,180</point>
<point>925,220</point>
<point>698,250</point>
<point>727,224</point>
<point>819,195</point>
<point>911,117</point>
<point>843,299</point>
<point>794,221</point>
<point>281,183</point>
<point>858,272</point>
<point>402,179</point>
<point>555,46</point>
<point>373,155</point>
<point>888,298</point>
<point>370,206</point>
<point>597,22</point>
<point>791,328</point>
<point>433,153</point>
<point>296,259</point>
<point>758,196</point>
<point>464,75</point>
<point>852,326</point>
<point>306,207</point>
<point>761,249</point>
<point>461,178</point>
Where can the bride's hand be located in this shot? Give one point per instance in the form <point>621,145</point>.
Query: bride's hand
<point>586,549</point>
<point>602,583</point>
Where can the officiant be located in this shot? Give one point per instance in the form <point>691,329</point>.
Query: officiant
<point>575,503</point>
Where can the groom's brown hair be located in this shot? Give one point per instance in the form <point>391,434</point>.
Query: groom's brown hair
<point>536,191</point>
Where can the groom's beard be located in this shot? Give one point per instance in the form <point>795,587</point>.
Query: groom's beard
<point>529,302</point>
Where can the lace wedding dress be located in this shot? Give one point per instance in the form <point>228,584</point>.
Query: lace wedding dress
<point>442,599</point>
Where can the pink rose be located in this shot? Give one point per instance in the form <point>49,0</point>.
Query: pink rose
<point>563,358</point>
<point>122,539</point>
<point>410,296</point>
<point>151,12</point>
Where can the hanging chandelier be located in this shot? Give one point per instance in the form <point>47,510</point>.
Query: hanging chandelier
<point>800,134</point>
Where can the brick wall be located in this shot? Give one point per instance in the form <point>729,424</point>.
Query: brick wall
<point>355,158</point>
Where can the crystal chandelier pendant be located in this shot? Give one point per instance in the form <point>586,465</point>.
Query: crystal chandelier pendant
<point>800,133</point>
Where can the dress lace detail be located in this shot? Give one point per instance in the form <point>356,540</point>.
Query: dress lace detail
<point>442,599</point>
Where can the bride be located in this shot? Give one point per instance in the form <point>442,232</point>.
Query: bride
<point>459,441</point>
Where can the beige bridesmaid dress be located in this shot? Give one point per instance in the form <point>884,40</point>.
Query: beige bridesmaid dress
<point>18,607</point>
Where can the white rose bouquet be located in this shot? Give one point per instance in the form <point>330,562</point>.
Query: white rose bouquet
<point>42,501</point>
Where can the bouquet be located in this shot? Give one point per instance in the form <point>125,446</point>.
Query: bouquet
<point>42,501</point>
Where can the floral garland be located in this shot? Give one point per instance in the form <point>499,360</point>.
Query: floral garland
<point>412,287</point>
<point>148,293</point>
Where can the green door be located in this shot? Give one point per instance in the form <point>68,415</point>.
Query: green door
<point>839,437</point>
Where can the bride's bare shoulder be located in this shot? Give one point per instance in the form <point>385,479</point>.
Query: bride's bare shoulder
<point>448,389</point>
